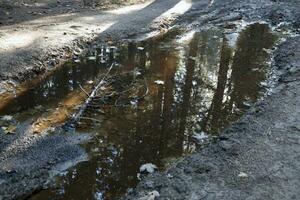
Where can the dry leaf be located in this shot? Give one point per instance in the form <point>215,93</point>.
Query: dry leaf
<point>159,82</point>
<point>10,129</point>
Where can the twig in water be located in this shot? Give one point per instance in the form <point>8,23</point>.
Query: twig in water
<point>147,89</point>
<point>77,116</point>
<point>83,90</point>
<point>93,119</point>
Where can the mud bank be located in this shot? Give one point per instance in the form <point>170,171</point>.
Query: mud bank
<point>27,161</point>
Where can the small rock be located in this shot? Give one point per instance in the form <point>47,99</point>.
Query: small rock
<point>92,58</point>
<point>7,118</point>
<point>130,191</point>
<point>226,145</point>
<point>279,125</point>
<point>267,50</point>
<point>10,171</point>
<point>200,136</point>
<point>159,82</point>
<point>149,184</point>
<point>247,104</point>
<point>264,84</point>
<point>170,176</point>
<point>193,58</point>
<point>148,167</point>
<point>151,195</point>
<point>243,175</point>
<point>188,170</point>
<point>1,182</point>
<point>10,129</point>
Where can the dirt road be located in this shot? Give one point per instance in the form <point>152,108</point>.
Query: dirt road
<point>40,42</point>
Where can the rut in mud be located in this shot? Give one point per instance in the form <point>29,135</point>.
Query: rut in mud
<point>163,98</point>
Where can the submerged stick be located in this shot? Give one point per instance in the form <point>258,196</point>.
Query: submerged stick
<point>92,119</point>
<point>83,90</point>
<point>76,117</point>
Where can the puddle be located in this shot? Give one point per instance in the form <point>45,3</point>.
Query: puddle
<point>160,95</point>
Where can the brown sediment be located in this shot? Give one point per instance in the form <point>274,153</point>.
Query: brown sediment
<point>60,114</point>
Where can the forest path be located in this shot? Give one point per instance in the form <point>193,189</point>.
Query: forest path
<point>39,43</point>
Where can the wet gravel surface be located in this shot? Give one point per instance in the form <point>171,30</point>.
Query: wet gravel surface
<point>27,160</point>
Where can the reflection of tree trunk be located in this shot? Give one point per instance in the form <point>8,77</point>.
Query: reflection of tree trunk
<point>142,61</point>
<point>88,2</point>
<point>131,56</point>
<point>168,99</point>
<point>156,122</point>
<point>74,79</point>
<point>157,64</point>
<point>111,54</point>
<point>132,149</point>
<point>190,68</point>
<point>249,54</point>
<point>222,79</point>
<point>202,58</point>
<point>138,146</point>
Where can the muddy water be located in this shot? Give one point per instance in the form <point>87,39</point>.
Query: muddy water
<point>161,93</point>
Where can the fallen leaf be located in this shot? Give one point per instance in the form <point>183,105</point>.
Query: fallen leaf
<point>148,167</point>
<point>151,196</point>
<point>193,58</point>
<point>243,175</point>
<point>169,175</point>
<point>267,50</point>
<point>10,129</point>
<point>200,136</point>
<point>159,82</point>
<point>7,118</point>
<point>92,58</point>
